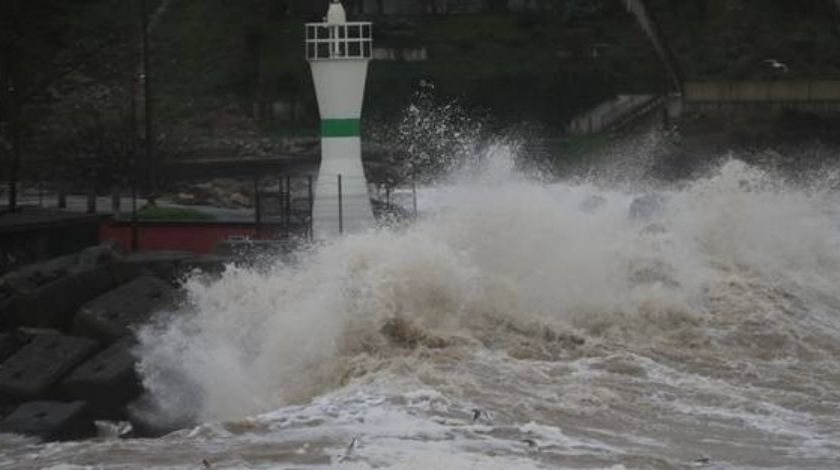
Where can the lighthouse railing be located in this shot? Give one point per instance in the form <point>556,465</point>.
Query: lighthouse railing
<point>352,40</point>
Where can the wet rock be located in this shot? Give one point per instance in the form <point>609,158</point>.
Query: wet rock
<point>108,381</point>
<point>99,255</point>
<point>36,369</point>
<point>6,310</point>
<point>50,421</point>
<point>212,265</point>
<point>54,305</point>
<point>163,264</point>
<point>404,333</point>
<point>239,200</point>
<point>147,421</point>
<point>11,342</point>
<point>110,316</point>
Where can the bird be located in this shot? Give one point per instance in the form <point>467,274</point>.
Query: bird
<point>702,461</point>
<point>777,65</point>
<point>206,463</point>
<point>532,444</point>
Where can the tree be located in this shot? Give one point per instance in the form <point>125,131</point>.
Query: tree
<point>31,35</point>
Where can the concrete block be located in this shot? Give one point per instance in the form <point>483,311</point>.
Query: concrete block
<point>54,305</point>
<point>50,421</point>
<point>6,312</point>
<point>147,421</point>
<point>111,316</point>
<point>162,264</point>
<point>108,381</point>
<point>11,342</point>
<point>211,265</point>
<point>36,368</point>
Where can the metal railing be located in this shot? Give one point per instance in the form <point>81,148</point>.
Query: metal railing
<point>352,40</point>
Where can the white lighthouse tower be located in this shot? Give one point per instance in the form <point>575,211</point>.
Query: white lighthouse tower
<point>338,52</point>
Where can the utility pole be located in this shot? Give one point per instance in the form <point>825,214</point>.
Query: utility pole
<point>147,99</point>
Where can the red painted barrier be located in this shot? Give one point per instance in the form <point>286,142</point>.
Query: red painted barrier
<point>197,237</point>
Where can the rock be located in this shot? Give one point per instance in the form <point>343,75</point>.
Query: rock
<point>212,265</point>
<point>54,305</point>
<point>186,199</point>
<point>50,421</point>
<point>108,381</point>
<point>10,343</point>
<point>163,264</point>
<point>239,200</point>
<point>36,368</point>
<point>148,421</point>
<point>111,316</point>
<point>6,311</point>
<point>94,256</point>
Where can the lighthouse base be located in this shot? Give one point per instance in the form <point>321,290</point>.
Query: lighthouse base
<point>346,209</point>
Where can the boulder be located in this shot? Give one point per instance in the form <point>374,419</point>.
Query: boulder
<point>50,420</point>
<point>36,368</point>
<point>111,316</point>
<point>108,381</point>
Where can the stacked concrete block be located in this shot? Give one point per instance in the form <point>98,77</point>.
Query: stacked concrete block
<point>108,380</point>
<point>35,370</point>
<point>53,305</point>
<point>111,316</point>
<point>50,421</point>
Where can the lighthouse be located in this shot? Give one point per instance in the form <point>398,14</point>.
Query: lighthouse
<point>338,52</point>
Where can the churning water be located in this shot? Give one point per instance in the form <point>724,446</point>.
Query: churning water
<point>517,324</point>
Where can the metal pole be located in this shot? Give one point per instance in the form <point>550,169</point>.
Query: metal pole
<point>91,200</point>
<point>257,208</point>
<point>414,194</point>
<point>116,195</point>
<point>132,163</point>
<point>311,206</point>
<point>340,208</point>
<point>62,196</point>
<point>147,101</point>
<point>288,204</point>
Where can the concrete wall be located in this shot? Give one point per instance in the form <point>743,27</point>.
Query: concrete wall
<point>201,238</point>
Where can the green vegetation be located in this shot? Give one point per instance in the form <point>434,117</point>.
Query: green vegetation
<point>172,214</point>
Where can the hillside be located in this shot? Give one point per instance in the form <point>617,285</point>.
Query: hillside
<point>229,78</point>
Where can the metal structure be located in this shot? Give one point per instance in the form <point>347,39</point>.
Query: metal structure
<point>338,52</point>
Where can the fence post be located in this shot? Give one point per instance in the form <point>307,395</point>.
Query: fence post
<point>116,201</point>
<point>287,217</point>
<point>311,207</point>
<point>62,196</point>
<point>257,208</point>
<point>340,208</point>
<point>91,201</point>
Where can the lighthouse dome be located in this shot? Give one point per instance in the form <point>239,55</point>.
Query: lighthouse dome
<point>336,13</point>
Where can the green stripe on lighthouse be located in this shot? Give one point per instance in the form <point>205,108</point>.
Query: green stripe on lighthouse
<point>341,128</point>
